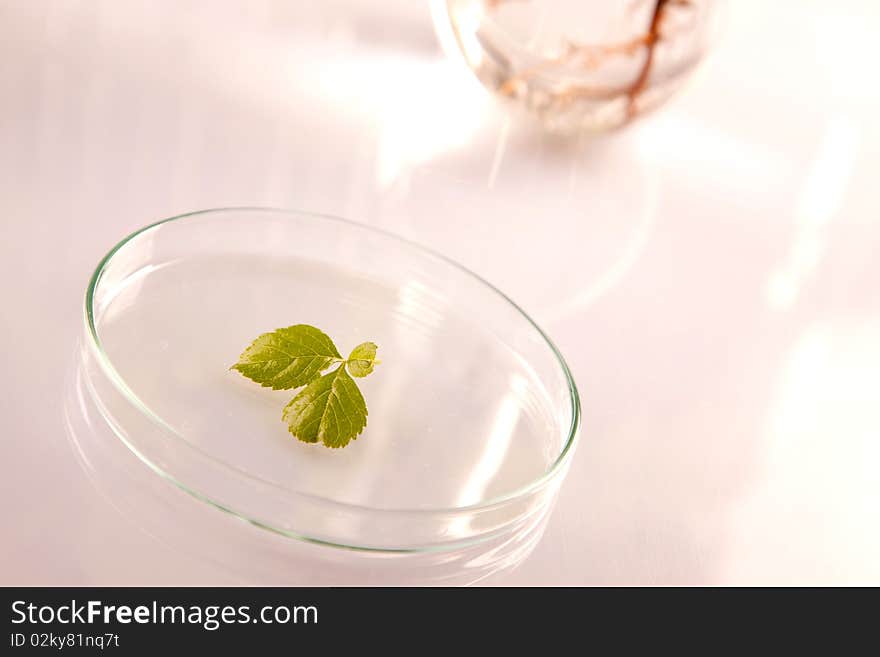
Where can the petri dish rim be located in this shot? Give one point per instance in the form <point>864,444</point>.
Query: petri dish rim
<point>95,344</point>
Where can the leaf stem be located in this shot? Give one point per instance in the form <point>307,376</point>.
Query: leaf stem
<point>346,361</point>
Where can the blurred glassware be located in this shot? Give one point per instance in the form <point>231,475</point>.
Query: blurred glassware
<point>579,65</point>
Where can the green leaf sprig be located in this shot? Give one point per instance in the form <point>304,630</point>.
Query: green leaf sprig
<point>330,409</point>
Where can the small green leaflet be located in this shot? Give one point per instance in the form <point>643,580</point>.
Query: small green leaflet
<point>288,358</point>
<point>362,359</point>
<point>330,409</point>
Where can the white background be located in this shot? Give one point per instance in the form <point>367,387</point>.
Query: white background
<point>711,274</point>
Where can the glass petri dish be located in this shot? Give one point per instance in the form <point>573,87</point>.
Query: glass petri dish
<point>473,413</point>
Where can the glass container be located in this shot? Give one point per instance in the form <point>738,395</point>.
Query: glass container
<point>580,65</point>
<point>473,413</point>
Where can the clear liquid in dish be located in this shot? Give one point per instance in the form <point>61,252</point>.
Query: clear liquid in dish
<point>456,417</point>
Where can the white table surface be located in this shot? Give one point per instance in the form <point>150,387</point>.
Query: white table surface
<point>711,274</point>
